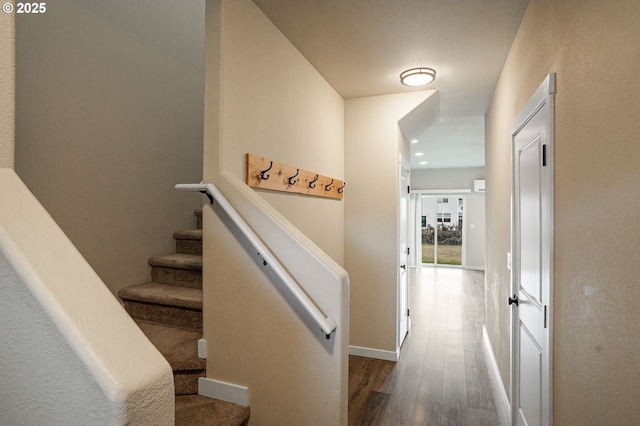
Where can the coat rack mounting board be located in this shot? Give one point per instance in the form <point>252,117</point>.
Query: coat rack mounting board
<point>267,174</point>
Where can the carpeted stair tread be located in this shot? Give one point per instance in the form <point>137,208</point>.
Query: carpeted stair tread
<point>189,241</point>
<point>188,234</point>
<point>199,410</point>
<point>177,261</point>
<point>179,346</point>
<point>164,294</point>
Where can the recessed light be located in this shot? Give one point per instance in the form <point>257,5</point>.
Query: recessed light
<point>414,141</point>
<point>423,162</point>
<point>419,154</point>
<point>415,77</point>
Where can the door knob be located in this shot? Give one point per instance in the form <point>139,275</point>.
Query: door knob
<point>513,300</point>
<point>403,266</point>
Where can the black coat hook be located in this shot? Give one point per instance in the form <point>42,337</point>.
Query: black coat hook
<point>341,189</point>
<point>328,187</point>
<point>293,181</point>
<point>312,184</point>
<point>263,174</point>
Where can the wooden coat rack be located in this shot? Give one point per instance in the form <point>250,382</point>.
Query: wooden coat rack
<point>267,174</point>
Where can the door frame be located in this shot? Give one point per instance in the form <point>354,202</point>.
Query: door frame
<point>404,189</point>
<point>542,102</point>
<point>440,193</point>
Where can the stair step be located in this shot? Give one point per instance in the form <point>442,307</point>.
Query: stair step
<point>164,303</point>
<point>199,410</point>
<point>180,348</point>
<point>177,269</point>
<point>189,241</point>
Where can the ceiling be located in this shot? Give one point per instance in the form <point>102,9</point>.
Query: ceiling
<point>361,46</point>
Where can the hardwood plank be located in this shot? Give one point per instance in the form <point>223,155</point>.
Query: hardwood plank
<point>479,388</point>
<point>405,388</point>
<point>434,354</point>
<point>483,418</point>
<point>366,375</point>
<point>429,398</point>
<point>376,405</point>
<point>454,388</point>
<point>441,377</point>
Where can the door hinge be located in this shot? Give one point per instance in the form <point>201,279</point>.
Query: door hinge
<point>408,189</point>
<point>544,155</point>
<point>408,313</point>
<point>545,316</point>
<point>408,250</point>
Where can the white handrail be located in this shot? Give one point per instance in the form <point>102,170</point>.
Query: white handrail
<point>327,324</point>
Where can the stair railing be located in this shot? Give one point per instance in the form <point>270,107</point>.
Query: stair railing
<point>265,256</point>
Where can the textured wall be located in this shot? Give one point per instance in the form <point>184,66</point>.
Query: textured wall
<point>108,119</point>
<point>70,354</point>
<point>594,47</point>
<point>372,144</point>
<point>7,89</point>
<point>262,96</point>
<point>276,105</point>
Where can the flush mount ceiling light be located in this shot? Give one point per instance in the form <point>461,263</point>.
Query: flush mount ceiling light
<point>415,77</point>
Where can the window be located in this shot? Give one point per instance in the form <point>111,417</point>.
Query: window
<point>444,217</point>
<point>443,201</point>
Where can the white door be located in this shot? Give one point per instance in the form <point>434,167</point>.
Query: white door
<point>532,138</point>
<point>403,250</point>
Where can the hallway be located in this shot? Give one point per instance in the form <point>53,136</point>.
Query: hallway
<point>441,378</point>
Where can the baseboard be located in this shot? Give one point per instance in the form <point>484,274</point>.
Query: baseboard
<point>374,353</point>
<point>223,391</point>
<point>500,394</point>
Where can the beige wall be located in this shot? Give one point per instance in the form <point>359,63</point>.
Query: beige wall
<point>461,178</point>
<point>277,106</point>
<point>372,144</point>
<point>594,47</point>
<point>263,97</point>
<point>7,90</point>
<point>109,118</point>
<point>58,367</point>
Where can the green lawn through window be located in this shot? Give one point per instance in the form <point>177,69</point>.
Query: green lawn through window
<point>447,254</point>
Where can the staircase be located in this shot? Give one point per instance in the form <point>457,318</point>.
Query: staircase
<point>169,312</point>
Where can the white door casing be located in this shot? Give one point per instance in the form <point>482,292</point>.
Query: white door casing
<point>532,259</point>
<point>403,252</point>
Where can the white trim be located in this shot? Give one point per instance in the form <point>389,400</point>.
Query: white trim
<point>537,100</point>
<point>475,268</point>
<point>500,393</point>
<point>441,191</point>
<point>223,391</point>
<point>403,164</point>
<point>543,97</point>
<point>374,353</point>
<point>202,348</point>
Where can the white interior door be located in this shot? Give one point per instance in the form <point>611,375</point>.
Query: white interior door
<point>531,266</point>
<point>403,261</point>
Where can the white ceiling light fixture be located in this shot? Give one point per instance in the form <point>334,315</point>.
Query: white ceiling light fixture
<point>416,77</point>
<point>419,154</point>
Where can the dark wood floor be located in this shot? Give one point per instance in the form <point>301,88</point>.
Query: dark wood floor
<point>441,377</point>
